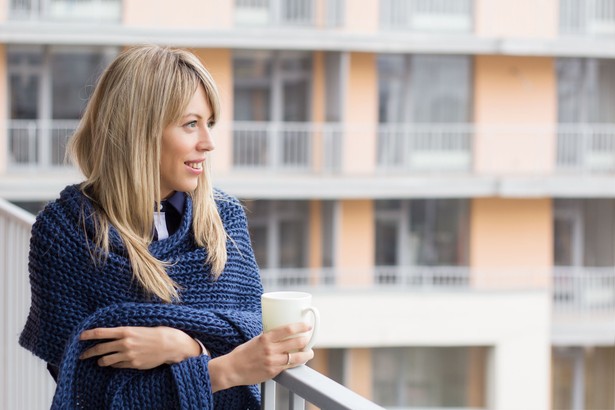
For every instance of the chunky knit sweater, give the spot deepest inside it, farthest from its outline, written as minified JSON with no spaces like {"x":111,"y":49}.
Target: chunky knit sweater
{"x":71,"y":293}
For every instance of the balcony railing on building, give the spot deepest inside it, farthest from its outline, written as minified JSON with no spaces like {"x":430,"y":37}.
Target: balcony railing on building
{"x":427,"y":15}
{"x":106,"y":11}
{"x":587,"y":291}
{"x":433,"y":147}
{"x":587,"y":17}
{"x":295,"y":13}
{"x":286,"y":146}
{"x":316,"y":149}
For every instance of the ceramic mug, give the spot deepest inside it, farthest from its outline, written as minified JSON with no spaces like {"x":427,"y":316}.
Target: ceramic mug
{"x":282,"y":308}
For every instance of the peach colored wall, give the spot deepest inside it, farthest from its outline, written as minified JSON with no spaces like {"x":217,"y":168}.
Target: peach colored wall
{"x":4,"y":114}
{"x":362,"y":16}
{"x":360,"y":115}
{"x":219,"y":62}
{"x":315,"y":256}
{"x":204,"y":14}
{"x":513,"y":236}
{"x":4,"y":8}
{"x":515,"y":110}
{"x":516,"y":18}
{"x":354,"y":252}
{"x":359,"y":374}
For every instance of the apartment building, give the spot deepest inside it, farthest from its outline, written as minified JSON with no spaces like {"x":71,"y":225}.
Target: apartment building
{"x":438,"y":173}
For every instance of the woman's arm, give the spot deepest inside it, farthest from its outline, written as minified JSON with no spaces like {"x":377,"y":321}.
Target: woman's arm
{"x":253,"y":362}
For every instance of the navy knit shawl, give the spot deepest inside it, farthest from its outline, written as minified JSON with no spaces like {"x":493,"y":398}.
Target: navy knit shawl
{"x":71,"y":293}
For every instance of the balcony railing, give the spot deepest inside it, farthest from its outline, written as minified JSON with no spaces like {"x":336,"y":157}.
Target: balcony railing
{"x":409,"y":278}
{"x":433,"y":147}
{"x":583,"y":290}
{"x":587,"y":17}
{"x":280,"y":13}
{"x":586,"y":147}
{"x":24,"y":380}
{"x":286,"y":146}
{"x":63,"y":10}
{"x":316,"y":148}
{"x":427,"y":15}
{"x":305,"y":384}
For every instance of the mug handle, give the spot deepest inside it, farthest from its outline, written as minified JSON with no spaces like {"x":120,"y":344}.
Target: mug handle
{"x":315,"y":327}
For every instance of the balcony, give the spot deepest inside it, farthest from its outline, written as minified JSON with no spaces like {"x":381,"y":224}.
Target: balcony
{"x":292,"y":13}
{"x":444,"y":16}
{"x":594,"y":18}
{"x":332,"y":160}
{"x":101,"y":11}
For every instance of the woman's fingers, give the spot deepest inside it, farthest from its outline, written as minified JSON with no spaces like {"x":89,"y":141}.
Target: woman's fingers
{"x":286,"y":331}
{"x":102,"y":349}
{"x":103,"y":333}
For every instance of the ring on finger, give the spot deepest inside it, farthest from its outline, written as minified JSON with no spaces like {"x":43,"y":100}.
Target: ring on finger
{"x":289,"y":361}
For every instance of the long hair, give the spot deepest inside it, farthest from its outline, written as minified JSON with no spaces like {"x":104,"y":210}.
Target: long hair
{"x":117,"y":147}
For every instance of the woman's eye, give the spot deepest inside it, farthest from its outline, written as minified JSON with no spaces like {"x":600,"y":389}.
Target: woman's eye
{"x":191,"y":124}
{"x":210,"y":124}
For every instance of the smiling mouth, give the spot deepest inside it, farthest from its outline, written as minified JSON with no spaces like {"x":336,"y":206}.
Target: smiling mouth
{"x":194,"y":165}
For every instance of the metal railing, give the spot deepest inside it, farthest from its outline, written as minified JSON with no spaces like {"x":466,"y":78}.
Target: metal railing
{"x":587,"y":17}
{"x":62,"y":10}
{"x":316,"y":148}
{"x":427,"y":15}
{"x":24,"y":380}
{"x":301,"y":13}
{"x":306,"y":384}
{"x":584,"y":290}
{"x":287,"y":146}
{"x":38,"y":144}
{"x":586,"y":147}
{"x":407,"y":278}
{"x":428,"y":147}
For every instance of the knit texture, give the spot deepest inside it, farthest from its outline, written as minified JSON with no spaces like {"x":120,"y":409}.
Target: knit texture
{"x":72,"y":293}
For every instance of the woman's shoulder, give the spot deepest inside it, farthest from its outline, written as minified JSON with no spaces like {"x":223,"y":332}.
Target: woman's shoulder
{"x":226,"y":202}
{"x":64,"y":210}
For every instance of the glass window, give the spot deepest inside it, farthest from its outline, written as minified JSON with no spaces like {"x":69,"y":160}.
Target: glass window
{"x":73,"y":75}
{"x":586,"y":90}
{"x":584,"y":232}
{"x":424,"y":89}
{"x":422,"y":232}
{"x":430,"y":377}
{"x":279,"y":232}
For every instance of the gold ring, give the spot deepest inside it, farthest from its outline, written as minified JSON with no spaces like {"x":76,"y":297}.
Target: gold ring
{"x":289,"y":361}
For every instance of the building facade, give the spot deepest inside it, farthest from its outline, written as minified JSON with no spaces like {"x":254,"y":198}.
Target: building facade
{"x":438,"y":173}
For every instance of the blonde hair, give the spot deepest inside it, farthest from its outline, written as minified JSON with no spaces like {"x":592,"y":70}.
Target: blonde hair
{"x":117,"y":147}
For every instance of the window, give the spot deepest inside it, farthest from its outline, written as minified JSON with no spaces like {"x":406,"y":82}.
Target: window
{"x":272,"y":107}
{"x":424,"y":103}
{"x":422,"y":232}
{"x":279,"y":232}
{"x":49,"y":86}
{"x":422,"y":377}
{"x":584,"y":232}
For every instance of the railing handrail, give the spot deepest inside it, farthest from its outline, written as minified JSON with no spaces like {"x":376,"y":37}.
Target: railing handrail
{"x":306,"y":383}
{"x":17,"y":214}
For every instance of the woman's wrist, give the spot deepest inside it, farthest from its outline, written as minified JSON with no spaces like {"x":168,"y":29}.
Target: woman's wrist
{"x":181,"y":346}
{"x":221,"y":374}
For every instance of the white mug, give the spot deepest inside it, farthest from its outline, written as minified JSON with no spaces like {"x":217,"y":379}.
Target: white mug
{"x":282,"y":308}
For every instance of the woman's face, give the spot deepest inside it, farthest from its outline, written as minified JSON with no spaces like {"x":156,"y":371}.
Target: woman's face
{"x":184,"y":147}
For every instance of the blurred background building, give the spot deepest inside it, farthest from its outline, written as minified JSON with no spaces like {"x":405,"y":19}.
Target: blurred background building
{"x":438,"y":173}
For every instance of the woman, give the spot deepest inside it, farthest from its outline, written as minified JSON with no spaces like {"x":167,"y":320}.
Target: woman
{"x":145,"y":291}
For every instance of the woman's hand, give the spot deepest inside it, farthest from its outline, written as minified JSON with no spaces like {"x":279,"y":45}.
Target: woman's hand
{"x":261,"y":358}
{"x":140,"y":347}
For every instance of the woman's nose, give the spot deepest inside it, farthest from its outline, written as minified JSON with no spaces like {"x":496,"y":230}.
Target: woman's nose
{"x":206,"y":141}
